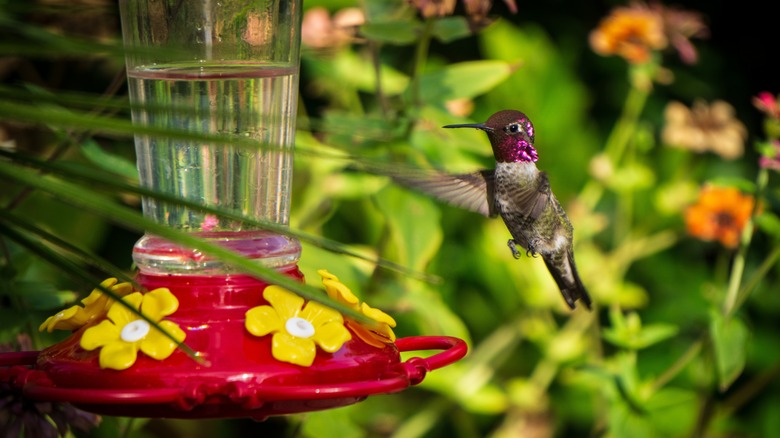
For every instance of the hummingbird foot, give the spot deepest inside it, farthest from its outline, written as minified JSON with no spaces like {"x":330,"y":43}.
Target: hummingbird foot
{"x":513,"y":246}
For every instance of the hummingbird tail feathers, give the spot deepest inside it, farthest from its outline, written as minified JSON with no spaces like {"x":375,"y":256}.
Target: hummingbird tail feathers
{"x":568,"y":281}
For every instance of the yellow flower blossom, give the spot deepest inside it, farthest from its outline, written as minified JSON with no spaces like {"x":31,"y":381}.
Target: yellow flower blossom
{"x":297,"y":328}
{"x":378,"y":334}
{"x":124,"y":333}
{"x":94,"y":307}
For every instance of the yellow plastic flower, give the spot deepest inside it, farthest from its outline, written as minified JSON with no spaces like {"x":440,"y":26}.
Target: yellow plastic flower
{"x":95,"y":306}
{"x":378,"y":334}
{"x":124,"y":333}
{"x":297,"y":329}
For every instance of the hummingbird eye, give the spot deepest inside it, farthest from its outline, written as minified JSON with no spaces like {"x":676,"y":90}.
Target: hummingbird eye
{"x":514,"y":128}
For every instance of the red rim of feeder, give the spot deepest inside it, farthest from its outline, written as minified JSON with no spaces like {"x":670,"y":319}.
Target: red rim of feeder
{"x":266,"y":400}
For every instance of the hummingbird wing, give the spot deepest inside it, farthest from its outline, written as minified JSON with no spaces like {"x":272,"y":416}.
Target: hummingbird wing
{"x":471,"y":191}
{"x":523,"y":204}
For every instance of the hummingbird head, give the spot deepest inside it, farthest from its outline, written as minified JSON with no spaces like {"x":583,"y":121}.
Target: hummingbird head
{"x":511,"y":135}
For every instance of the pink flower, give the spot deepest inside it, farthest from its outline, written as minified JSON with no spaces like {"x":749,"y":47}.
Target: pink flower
{"x":321,"y":31}
{"x":766,"y":102}
{"x":210,"y":222}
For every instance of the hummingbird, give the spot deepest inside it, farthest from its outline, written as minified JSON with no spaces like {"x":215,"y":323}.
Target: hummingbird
{"x":517,"y":191}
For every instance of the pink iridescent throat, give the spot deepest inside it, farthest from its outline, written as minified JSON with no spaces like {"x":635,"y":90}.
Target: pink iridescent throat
{"x":521,"y":151}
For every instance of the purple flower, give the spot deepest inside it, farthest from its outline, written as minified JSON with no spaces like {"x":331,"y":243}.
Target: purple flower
{"x":20,"y":416}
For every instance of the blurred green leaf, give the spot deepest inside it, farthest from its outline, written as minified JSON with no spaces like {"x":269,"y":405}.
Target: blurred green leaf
{"x":628,"y":332}
{"x":729,"y":341}
{"x":386,"y":10}
{"x":351,"y":130}
{"x":346,"y":70}
{"x":673,"y":411}
{"x":42,"y":296}
{"x":352,"y":185}
{"x":433,"y":315}
{"x":331,"y":424}
{"x":769,"y":223}
{"x":462,"y":80}
{"x":767,"y":149}
{"x":667,"y":413}
{"x":107,"y":161}
{"x":672,"y":198}
{"x":742,"y":184}
{"x":449,"y":29}
{"x":630,"y":178}
{"x":402,"y":32}
{"x":413,"y":223}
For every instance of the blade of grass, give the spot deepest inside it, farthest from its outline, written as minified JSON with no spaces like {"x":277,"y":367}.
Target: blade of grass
{"x":98,"y":178}
{"x":65,"y":191}
{"x":79,"y":254}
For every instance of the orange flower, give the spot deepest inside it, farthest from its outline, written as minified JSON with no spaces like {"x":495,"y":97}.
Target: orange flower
{"x":720,"y":214}
{"x":635,"y":32}
{"x":631,"y":32}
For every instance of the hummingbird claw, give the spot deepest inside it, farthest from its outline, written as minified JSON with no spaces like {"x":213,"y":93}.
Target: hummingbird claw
{"x":513,"y":246}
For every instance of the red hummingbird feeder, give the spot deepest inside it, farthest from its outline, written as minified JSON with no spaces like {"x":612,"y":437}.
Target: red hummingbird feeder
{"x":237,"y":376}
{"x":228,"y":68}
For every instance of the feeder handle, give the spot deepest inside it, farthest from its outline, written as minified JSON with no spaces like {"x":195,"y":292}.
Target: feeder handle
{"x":454,"y":348}
{"x":410,"y":372}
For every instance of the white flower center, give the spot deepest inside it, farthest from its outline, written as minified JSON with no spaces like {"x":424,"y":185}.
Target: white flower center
{"x":135,"y":331}
{"x":299,"y":327}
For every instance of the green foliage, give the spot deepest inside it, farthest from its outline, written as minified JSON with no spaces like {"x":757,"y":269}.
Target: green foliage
{"x":682,"y":337}
{"x":628,"y":332}
{"x":729,"y":342}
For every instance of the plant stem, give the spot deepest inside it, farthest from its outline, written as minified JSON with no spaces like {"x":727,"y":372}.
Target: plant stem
{"x":617,"y":141}
{"x":420,"y":57}
{"x":760,"y":273}
{"x":738,"y":267}
{"x":692,"y":351}
{"x":373,"y":47}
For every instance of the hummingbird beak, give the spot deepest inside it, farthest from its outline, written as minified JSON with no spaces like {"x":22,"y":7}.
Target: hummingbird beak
{"x":480,"y":126}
